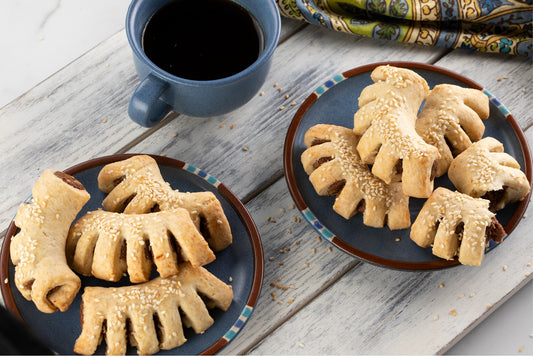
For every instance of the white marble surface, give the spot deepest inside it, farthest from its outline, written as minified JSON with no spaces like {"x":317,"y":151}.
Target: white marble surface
{"x":38,"y":37}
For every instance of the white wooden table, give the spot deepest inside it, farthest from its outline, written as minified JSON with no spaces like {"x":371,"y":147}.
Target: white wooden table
{"x":338,"y":305}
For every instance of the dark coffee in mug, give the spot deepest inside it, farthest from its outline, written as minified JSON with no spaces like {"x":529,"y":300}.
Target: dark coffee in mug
{"x":202,"y":39}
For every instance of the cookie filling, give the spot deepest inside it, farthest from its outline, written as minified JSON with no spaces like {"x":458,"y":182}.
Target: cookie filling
{"x":321,"y":161}
{"x":494,"y":197}
{"x":495,"y":231}
{"x":70,"y":180}
{"x":336,"y":187}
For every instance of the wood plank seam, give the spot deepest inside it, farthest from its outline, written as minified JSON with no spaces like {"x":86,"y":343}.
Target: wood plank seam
{"x":300,"y":306}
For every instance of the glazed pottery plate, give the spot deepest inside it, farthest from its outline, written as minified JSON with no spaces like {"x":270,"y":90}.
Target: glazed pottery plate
{"x":335,"y":102}
{"x":240,"y":265}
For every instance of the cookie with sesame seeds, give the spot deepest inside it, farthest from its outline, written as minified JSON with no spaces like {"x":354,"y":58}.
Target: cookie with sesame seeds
{"x":334,"y":168}
{"x":456,"y":224}
{"x":386,"y":123}
{"x":451,"y":120}
{"x":151,"y":315}
{"x":106,"y":244}
{"x":42,"y":274}
{"x":485,"y":170}
{"x":135,"y":186}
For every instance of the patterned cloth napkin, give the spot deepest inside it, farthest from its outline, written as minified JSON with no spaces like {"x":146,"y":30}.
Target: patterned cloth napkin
{"x":499,"y":26}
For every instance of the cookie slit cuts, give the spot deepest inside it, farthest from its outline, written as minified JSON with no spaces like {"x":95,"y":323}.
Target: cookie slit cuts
{"x":139,"y":178}
{"x":385,"y":123}
{"x":42,"y":274}
{"x":98,"y":241}
{"x":152,"y":315}
{"x":334,"y":168}
{"x":485,"y":170}
{"x":455,"y":224}
{"x":451,"y":120}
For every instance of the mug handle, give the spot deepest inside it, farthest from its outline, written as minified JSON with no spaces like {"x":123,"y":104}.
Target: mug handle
{"x":146,"y":107}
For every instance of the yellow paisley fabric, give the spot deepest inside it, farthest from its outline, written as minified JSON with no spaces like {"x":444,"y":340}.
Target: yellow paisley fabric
{"x":496,"y":26}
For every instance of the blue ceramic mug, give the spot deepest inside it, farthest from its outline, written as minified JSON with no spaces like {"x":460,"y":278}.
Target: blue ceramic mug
{"x":160,"y":92}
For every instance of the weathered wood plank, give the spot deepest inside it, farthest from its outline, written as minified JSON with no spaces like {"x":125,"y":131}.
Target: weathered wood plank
{"x":297,"y":265}
{"x":55,"y":124}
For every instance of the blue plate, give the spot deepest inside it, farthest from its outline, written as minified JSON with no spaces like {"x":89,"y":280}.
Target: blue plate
{"x":242,"y":261}
{"x":335,"y":102}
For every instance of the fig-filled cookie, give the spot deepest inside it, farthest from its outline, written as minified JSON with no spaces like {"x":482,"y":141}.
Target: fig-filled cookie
{"x":42,"y":274}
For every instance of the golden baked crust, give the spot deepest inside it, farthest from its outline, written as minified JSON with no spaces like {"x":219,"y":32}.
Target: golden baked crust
{"x":38,"y":249}
{"x":106,"y":244}
{"x":334,"y":167}
{"x":485,"y":170}
{"x":386,"y":123}
{"x":455,"y":224}
{"x":135,"y":186}
{"x":451,"y":120}
{"x":152,"y":314}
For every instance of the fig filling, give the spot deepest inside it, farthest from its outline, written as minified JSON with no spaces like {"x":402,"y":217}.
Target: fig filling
{"x":494,"y":197}
{"x":118,"y":180}
{"x":321,"y":161}
{"x":361,"y":206}
{"x":495,"y":231}
{"x":336,"y":187}
{"x":70,"y":180}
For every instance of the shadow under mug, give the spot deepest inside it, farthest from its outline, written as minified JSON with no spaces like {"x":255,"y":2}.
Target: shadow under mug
{"x":160,"y":92}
